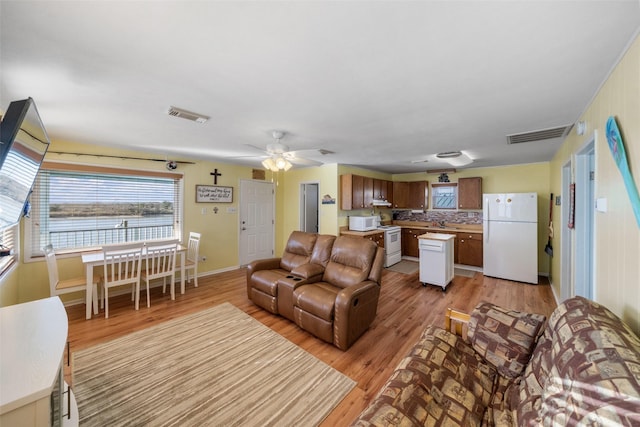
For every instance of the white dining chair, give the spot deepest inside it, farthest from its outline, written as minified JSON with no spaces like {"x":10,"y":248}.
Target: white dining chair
{"x":122,"y":266}
{"x":74,"y":284}
{"x":192,"y":257}
{"x":160,"y":264}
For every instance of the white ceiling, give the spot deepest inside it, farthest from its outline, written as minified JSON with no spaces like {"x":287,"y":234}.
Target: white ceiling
{"x":379,"y":83}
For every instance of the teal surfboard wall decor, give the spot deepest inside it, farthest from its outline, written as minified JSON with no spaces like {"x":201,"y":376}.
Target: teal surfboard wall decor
{"x":616,"y":146}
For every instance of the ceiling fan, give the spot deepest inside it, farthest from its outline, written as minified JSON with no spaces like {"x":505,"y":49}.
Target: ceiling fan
{"x":279,"y":157}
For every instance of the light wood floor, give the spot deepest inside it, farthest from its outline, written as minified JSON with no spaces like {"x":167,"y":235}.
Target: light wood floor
{"x":404,"y":310}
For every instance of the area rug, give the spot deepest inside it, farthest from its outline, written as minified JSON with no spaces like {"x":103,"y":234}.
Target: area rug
{"x":405,"y":267}
{"x":215,"y":367}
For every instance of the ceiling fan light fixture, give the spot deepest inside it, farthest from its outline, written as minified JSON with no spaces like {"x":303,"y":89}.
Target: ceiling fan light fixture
{"x":281,"y":162}
{"x":276,"y":164}
{"x":270,"y":164}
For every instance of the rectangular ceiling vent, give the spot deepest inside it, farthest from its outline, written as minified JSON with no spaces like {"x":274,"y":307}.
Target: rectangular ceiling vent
{"x":539,"y":135}
{"x":189,"y":115}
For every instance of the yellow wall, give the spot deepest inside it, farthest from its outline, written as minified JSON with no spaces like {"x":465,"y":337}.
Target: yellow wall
{"x":617,"y":235}
{"x":219,"y":231}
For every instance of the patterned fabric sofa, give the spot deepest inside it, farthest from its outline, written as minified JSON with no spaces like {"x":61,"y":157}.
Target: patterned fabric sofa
{"x":582,"y":368}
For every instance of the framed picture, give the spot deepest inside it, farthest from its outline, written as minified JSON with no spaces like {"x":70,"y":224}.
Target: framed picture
{"x":214,"y":194}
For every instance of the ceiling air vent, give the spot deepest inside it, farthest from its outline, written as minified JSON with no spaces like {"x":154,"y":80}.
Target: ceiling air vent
{"x":539,"y":135}
{"x":189,"y":115}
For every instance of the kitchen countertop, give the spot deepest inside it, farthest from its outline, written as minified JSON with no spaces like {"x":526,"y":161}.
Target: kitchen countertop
{"x":421,"y":225}
{"x":348,"y":232}
{"x":449,"y":227}
{"x":436,"y":236}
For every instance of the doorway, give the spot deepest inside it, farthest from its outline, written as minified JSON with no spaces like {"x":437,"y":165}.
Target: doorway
{"x":584,"y":220}
{"x":256,"y":221}
{"x":566,"y":252}
{"x":309,"y":198}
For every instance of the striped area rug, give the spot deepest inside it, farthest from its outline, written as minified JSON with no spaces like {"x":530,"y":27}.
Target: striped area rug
{"x":216,"y":367}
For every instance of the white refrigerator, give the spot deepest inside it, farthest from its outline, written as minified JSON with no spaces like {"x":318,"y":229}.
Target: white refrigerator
{"x":510,"y":232}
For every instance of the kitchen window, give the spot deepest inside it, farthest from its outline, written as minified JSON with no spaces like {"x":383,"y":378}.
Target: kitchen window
{"x":77,"y":208}
{"x":444,"y":196}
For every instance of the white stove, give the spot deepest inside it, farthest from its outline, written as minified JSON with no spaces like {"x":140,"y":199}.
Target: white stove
{"x":392,"y":244}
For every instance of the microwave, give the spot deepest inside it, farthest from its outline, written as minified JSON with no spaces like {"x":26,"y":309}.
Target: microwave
{"x":363,"y":223}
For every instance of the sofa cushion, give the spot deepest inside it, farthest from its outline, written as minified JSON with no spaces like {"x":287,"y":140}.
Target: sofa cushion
{"x":266,"y":281}
{"x":526,"y":398}
{"x":298,"y":250}
{"x":350,"y":262}
{"x":594,"y":377}
{"x":440,"y":382}
{"x":505,"y":338}
{"x":318,"y":299}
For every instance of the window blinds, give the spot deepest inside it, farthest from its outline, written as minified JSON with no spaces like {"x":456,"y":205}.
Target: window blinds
{"x":78,"y":207}
{"x":8,"y":240}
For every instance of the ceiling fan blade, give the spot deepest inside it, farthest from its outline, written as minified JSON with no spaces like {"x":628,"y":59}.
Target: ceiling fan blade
{"x":257,"y":148}
{"x":304,"y":162}
{"x":309,"y":152}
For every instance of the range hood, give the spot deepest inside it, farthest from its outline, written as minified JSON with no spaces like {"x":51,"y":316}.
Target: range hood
{"x":381,"y":203}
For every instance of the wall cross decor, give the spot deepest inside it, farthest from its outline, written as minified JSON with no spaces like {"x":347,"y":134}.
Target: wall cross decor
{"x":215,"y":174}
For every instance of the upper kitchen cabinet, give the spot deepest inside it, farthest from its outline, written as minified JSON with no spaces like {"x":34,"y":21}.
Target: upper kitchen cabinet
{"x":470,"y":193}
{"x":411,"y":195}
{"x":383,"y":190}
{"x":418,"y":195}
{"x":351,"y":192}
{"x":400,"y":194}
{"x":360,"y":192}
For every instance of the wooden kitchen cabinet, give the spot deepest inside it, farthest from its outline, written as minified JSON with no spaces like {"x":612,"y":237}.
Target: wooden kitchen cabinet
{"x":377,"y":238}
{"x":411,"y":195}
{"x":351,"y":192}
{"x":470,"y":193}
{"x":359,"y":192}
{"x":400,"y":194}
{"x":367,"y":191}
{"x":418,"y":195}
{"x":382,"y":190}
{"x":410,"y":245}
{"x":470,"y":249}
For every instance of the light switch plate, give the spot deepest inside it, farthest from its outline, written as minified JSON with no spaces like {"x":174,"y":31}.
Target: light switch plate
{"x":601,"y":204}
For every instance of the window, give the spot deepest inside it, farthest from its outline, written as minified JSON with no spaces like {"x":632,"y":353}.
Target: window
{"x":76,"y":207}
{"x":8,"y":239}
{"x":444,"y":196}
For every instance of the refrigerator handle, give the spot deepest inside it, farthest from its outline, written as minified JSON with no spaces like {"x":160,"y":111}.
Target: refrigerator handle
{"x":488,"y":223}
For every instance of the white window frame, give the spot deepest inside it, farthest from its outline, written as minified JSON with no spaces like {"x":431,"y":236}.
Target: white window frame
{"x":36,"y":254}
{"x":434,"y":194}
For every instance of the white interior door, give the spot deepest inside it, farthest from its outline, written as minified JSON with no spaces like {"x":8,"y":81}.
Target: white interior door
{"x":256,"y":220}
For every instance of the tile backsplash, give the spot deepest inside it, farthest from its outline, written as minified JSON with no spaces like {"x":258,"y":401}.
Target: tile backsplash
{"x":452,"y":217}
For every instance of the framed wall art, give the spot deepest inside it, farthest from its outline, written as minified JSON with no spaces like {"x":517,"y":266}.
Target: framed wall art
{"x":214,"y":194}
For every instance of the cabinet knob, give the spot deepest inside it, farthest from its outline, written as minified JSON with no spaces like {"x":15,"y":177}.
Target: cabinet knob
{"x":462,"y":241}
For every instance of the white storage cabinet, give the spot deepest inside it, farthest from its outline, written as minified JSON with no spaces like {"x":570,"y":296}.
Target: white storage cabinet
{"x":436,"y":259}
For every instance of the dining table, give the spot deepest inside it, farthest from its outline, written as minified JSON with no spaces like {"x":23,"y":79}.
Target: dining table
{"x":95,"y":259}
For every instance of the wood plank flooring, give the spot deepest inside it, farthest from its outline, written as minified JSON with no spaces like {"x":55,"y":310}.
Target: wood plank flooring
{"x":404,"y":310}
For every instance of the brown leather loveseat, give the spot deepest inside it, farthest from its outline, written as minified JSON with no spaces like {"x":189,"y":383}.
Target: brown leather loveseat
{"x":329,"y":286}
